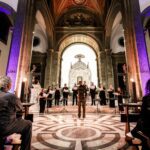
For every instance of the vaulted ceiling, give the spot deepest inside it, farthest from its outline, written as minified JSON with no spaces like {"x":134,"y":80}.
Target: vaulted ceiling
{"x":61,"y":7}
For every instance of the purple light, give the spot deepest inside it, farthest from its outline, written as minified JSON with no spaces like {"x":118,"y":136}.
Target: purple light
{"x":146,"y":12}
{"x":6,"y":11}
{"x":12,"y":65}
{"x":141,"y":46}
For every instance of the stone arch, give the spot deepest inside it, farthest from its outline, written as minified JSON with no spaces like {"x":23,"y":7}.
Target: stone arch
{"x":40,"y":32}
{"x":48,"y":23}
{"x":78,"y":38}
{"x":145,"y":15}
{"x":116,"y":8}
{"x":7,"y":17}
{"x":8,"y":10}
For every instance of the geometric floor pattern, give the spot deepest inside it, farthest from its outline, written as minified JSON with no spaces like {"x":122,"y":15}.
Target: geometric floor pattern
{"x":64,"y":131}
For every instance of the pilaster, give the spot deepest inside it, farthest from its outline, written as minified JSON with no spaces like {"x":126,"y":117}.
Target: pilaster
{"x":109,"y":68}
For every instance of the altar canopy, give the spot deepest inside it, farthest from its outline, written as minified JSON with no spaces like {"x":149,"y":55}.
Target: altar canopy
{"x":79,"y":72}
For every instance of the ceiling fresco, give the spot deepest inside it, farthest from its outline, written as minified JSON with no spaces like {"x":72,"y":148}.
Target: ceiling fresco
{"x":61,"y":7}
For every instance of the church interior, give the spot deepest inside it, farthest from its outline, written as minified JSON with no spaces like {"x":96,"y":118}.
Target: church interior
{"x":51,"y":44}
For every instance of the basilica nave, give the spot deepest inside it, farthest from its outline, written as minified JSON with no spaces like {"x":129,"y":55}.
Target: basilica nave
{"x":50,"y":43}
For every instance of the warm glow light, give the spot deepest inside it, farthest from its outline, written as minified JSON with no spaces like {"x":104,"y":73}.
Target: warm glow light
{"x":24,"y":79}
{"x":132,"y":80}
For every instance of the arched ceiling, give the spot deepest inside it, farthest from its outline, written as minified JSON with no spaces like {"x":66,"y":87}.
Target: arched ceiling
{"x":61,"y":6}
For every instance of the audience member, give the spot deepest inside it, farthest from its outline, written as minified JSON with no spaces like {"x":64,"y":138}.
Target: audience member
{"x":9,"y":123}
{"x":143,"y":125}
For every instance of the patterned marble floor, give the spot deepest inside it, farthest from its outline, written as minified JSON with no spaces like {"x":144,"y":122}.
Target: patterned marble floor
{"x":64,"y":131}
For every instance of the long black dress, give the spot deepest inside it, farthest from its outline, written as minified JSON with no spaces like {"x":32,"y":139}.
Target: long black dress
{"x":111,"y":98}
{"x":102,"y":97}
{"x":65,"y":95}
{"x":42,"y":101}
{"x":57,"y":96}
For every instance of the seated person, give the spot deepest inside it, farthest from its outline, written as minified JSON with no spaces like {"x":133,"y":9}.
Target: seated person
{"x":9,"y":124}
{"x":143,"y":125}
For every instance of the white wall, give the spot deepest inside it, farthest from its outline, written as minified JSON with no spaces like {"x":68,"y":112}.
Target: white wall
{"x":144,"y":4}
{"x":12,"y":3}
{"x":4,"y":54}
{"x":43,"y":46}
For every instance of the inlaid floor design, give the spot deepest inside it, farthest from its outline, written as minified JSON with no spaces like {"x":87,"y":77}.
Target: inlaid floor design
{"x":64,"y":131}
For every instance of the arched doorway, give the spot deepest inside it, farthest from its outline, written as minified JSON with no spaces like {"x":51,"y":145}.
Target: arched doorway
{"x":72,"y":68}
{"x":74,"y":45}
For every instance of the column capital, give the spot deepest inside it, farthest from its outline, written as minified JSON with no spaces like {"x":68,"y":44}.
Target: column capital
{"x":102,"y":52}
{"x":50,"y":50}
{"x":108,"y":50}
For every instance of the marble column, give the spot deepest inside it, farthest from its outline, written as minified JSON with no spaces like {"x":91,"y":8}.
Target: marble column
{"x":136,"y":53}
{"x":143,"y":62}
{"x":109,"y":68}
{"x":54,"y":67}
{"x":12,"y":66}
{"x":102,"y":68}
{"x":48,"y":72}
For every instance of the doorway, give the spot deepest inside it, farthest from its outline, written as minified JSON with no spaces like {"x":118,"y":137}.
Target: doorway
{"x":86,"y":64}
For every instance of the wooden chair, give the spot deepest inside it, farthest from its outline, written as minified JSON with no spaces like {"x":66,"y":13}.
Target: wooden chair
{"x":134,"y":142}
{"x":11,"y":140}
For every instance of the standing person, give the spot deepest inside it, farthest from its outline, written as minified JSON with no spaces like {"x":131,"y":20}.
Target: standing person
{"x":35,"y":90}
{"x":57,"y":96}
{"x":81,"y":99}
{"x":50,"y":96}
{"x":86,"y":87}
{"x":75,"y":91}
{"x":9,"y":124}
{"x":65,"y":91}
{"x":42,"y":100}
{"x":92,"y":93}
{"x":143,"y":124}
{"x":102,"y":95}
{"x":111,"y":96}
{"x":120,"y":99}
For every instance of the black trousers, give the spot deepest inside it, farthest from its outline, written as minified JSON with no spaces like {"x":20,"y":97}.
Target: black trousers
{"x":42,"y":105}
{"x":74,"y":100}
{"x":83,"y":104}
